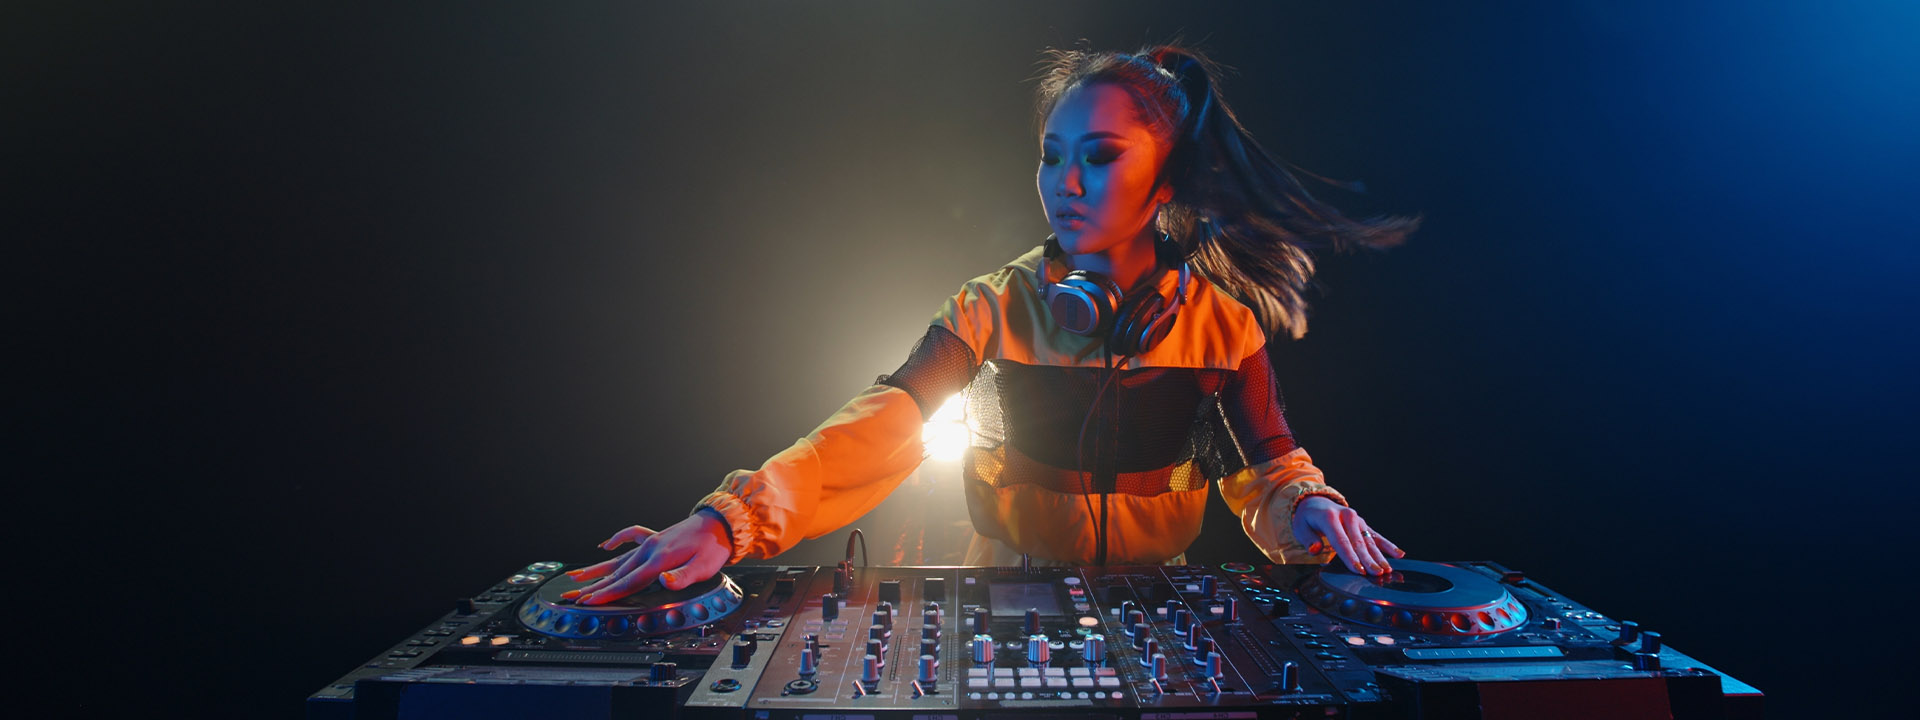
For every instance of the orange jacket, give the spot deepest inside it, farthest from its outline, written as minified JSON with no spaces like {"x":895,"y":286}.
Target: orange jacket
{"x":1199,"y":406}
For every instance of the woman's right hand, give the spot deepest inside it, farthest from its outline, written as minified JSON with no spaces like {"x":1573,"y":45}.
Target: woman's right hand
{"x":685,"y":553}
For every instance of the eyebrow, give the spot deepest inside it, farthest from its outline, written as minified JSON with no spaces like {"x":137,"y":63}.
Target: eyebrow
{"x":1090,"y":136}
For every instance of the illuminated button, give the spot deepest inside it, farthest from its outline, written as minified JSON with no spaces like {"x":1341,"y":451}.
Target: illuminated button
{"x":1070,"y":580}
{"x":470,"y":640}
{"x":1383,"y":639}
{"x":1354,"y":640}
{"x":500,"y":640}
{"x":1109,"y":682}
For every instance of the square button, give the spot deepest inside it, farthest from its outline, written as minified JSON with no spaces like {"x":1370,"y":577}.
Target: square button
{"x":1054,"y":672}
{"x":1003,"y":684}
{"x":1029,"y":672}
{"x":1109,"y":682}
{"x":1083,"y":682}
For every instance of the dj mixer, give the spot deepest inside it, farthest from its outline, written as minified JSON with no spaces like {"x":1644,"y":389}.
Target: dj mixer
{"x":1429,"y":640}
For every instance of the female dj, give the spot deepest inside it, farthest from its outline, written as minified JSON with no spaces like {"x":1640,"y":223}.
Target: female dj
{"x":1111,"y":373}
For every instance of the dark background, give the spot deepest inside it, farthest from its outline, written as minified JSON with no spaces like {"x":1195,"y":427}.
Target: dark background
{"x":328,"y":314}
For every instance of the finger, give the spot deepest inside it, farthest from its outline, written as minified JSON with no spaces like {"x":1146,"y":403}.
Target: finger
{"x":628,"y":584}
{"x":1388,"y":545}
{"x":632,"y":534}
{"x":1363,"y":539}
{"x":1344,"y":547}
{"x":599,"y":569}
{"x":632,"y":560}
{"x":703,"y":565}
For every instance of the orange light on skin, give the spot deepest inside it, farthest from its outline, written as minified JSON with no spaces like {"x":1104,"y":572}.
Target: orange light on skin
{"x":945,"y":434}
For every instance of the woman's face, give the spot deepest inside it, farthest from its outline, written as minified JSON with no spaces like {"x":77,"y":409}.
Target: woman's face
{"x":1097,"y":161}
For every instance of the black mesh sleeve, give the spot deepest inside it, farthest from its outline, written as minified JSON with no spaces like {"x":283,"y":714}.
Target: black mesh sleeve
{"x":940,"y":366}
{"x":1255,"y":411}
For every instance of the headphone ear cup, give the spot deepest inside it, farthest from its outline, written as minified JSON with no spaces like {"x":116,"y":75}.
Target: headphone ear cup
{"x":1083,"y":302}
{"x":1135,"y":324}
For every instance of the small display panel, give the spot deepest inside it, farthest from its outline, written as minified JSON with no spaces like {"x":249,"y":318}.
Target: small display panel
{"x":1015,"y":599}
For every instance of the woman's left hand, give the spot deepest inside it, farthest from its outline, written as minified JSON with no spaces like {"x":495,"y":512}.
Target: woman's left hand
{"x":1322,"y":524}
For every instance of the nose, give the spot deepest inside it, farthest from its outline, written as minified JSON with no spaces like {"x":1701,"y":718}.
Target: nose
{"x":1069,"y":184}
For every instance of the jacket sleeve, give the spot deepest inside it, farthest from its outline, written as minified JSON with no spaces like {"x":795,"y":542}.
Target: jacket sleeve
{"x":1276,"y":474}
{"x":848,"y":464}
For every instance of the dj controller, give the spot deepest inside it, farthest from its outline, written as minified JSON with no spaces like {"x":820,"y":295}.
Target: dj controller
{"x":1429,"y":640}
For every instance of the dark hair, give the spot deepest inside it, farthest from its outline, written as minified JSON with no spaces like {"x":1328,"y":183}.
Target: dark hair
{"x":1242,"y":219}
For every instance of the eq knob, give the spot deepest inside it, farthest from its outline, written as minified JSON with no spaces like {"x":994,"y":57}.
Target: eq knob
{"x":1650,"y":642}
{"x":809,"y":664}
{"x":829,"y":607}
{"x":813,"y":647}
{"x":1646,"y":661}
{"x":1203,"y":649}
{"x":929,"y":647}
{"x":743,"y":647}
{"x":1149,"y":650}
{"x":1182,"y":621}
{"x":930,"y":632}
{"x":663,"y":672}
{"x":1033,"y":621}
{"x":1159,"y":666}
{"x":878,"y":650}
{"x":1194,"y":641}
{"x":1629,"y":632}
{"x":928,"y":671}
{"x":980,"y":621}
{"x":1094,"y":651}
{"x":1208,"y":586}
{"x":1038,"y":652}
{"x":934,"y":607}
{"x":1136,"y":620}
{"x":930,"y":620}
{"x":878,"y":634}
{"x":870,"y":670}
{"x":1230,"y":612}
{"x":1212,"y":666}
{"x":982,"y":649}
{"x":1290,"y":678}
{"x":884,"y":619}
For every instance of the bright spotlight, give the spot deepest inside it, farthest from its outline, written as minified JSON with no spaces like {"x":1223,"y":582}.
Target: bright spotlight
{"x":946,"y":434}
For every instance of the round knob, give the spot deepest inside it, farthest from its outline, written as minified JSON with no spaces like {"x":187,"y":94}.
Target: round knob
{"x":813,"y":647}
{"x":1551,"y":623}
{"x":1209,"y":585}
{"x":1140,"y":640}
{"x":1038,"y":652}
{"x":878,"y":634}
{"x":929,"y":647}
{"x":1095,"y":650}
{"x":1629,"y":632}
{"x":1149,"y":650}
{"x":930,"y":620}
{"x":870,"y":669}
{"x":933,"y":609}
{"x":1159,"y":666}
{"x":980,"y":621}
{"x":1213,"y":666}
{"x":1231,"y":611}
{"x":930,"y":632}
{"x":1135,"y":621}
{"x":1646,"y":661}
{"x":808,"y":664}
{"x":1182,"y":621}
{"x":1033,"y":621}
{"x":1127,"y":607}
{"x":1290,"y":678}
{"x":928,"y":665}
{"x":883,"y":619}
{"x":1202,"y":647}
{"x":743,"y":647}
{"x":877,"y":649}
{"x":1650,"y":642}
{"x":829,"y":607}
{"x":663,"y":672}
{"x":982,"y":649}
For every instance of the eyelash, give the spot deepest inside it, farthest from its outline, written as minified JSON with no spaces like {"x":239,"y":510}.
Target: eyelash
{"x":1096,"y":159}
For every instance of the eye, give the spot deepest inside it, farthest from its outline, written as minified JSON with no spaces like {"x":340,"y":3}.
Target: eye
{"x":1049,"y":159}
{"x":1102,"y":158}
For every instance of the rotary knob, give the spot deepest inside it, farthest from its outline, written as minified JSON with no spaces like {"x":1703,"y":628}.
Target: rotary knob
{"x":743,"y":647}
{"x":663,"y":672}
{"x":929,"y":666}
{"x":1182,"y":621}
{"x":980,"y":621}
{"x":829,"y":607}
{"x":1038,"y":652}
{"x":1033,"y":621}
{"x":1094,"y":651}
{"x":982,"y":649}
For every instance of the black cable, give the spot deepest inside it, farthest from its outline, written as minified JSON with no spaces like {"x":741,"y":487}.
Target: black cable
{"x":1079,"y":449}
{"x":857,"y":535}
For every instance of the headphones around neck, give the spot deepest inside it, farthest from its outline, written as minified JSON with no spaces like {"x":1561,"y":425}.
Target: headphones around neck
{"x":1090,"y":303}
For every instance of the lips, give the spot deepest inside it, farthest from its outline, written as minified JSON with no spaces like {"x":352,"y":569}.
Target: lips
{"x":1069,"y":215}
